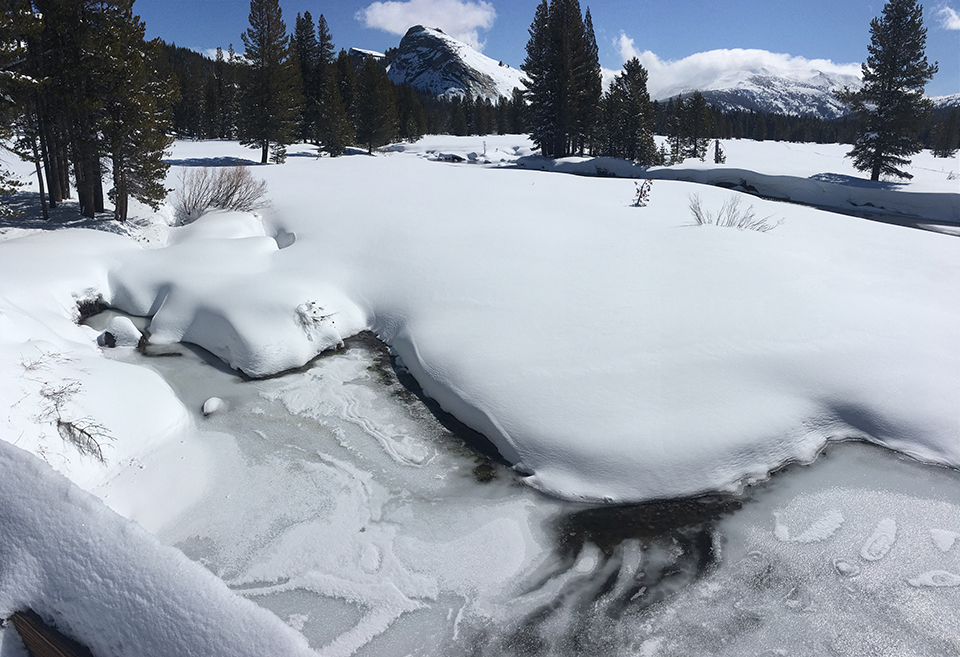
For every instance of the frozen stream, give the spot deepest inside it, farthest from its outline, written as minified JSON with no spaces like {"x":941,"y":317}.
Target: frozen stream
{"x":340,"y":503}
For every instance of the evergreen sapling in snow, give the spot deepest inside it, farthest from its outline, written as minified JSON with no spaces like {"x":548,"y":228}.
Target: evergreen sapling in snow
{"x":718,"y":155}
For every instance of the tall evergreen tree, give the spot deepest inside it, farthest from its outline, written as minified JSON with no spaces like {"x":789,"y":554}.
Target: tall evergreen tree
{"x":946,"y":135}
{"x":411,"y":118}
{"x":517,"y":122}
{"x":347,"y":84}
{"x":676,"y":129}
{"x":136,"y":109}
{"x":891,"y":105}
{"x":760,"y":127}
{"x":272,"y":95}
{"x":335,"y":130}
{"x":543,"y":89}
{"x":697,"y":127}
{"x":325,"y":50}
{"x":308,"y":59}
{"x":17,"y":89}
{"x":563,"y":74}
{"x":376,"y":106}
{"x":231,"y":94}
{"x":628,"y":116}
{"x":590,"y":87}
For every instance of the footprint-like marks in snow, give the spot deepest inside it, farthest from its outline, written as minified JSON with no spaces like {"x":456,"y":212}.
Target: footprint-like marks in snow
{"x":880,"y":541}
{"x":819,"y":530}
{"x":846,"y":568}
{"x":943,"y":539}
{"x":938,"y":578}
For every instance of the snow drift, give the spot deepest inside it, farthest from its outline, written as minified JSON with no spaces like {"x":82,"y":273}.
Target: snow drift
{"x":610,"y":352}
{"x":107,"y":583}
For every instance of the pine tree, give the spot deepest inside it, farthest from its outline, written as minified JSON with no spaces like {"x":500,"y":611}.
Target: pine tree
{"x":891,"y":106}
{"x":563,"y":88}
{"x":412,"y":120}
{"x":325,"y":50}
{"x":760,"y":127}
{"x":17,"y":91}
{"x":136,"y":109}
{"x":308,"y":59}
{"x":946,"y":136}
{"x":697,"y":127}
{"x":335,"y":130}
{"x":272,"y":95}
{"x":718,"y":155}
{"x":676,"y":131}
{"x":543,"y":89}
{"x":347,"y":84}
{"x":628,"y":116}
{"x":590,"y":83}
{"x":517,"y":122}
{"x":231,"y":93}
{"x":376,"y":106}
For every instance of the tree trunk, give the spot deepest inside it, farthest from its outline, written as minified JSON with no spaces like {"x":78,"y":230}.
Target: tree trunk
{"x":97,"y":187}
{"x":46,"y":153}
{"x":36,"y":161}
{"x":120,"y":195}
{"x":264,"y":152}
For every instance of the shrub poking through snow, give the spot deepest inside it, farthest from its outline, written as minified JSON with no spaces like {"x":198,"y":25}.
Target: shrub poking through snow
{"x":731,"y":215}
{"x":83,"y":433}
{"x":224,"y":188}
{"x":719,"y":157}
{"x":316,"y":322}
{"x":642,"y":194}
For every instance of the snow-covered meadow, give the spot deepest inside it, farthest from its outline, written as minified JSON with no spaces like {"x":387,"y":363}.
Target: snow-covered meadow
{"x":611,"y":353}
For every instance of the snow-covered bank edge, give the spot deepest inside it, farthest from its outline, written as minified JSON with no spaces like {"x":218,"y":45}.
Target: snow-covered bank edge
{"x":851,"y":197}
{"x":109,"y":584}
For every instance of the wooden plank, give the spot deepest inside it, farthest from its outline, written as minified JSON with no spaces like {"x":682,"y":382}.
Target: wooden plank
{"x":43,"y":640}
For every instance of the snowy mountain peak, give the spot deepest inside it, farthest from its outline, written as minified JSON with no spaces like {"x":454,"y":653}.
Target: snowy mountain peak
{"x":946,"y":102}
{"x":429,"y":60}
{"x":797,"y":90}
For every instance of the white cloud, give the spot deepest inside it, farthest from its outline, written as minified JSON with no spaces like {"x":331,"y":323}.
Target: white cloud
{"x":704,"y":69}
{"x":458,"y":18}
{"x":949,"y":19}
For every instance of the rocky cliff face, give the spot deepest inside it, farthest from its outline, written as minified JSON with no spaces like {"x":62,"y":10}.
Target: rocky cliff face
{"x":429,"y":60}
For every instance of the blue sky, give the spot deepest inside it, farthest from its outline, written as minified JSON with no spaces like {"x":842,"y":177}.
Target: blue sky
{"x":834,"y":30}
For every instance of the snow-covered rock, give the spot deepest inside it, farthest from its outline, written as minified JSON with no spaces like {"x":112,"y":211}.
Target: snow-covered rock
{"x":429,"y":60}
{"x":213,"y":405}
{"x":120,"y":332}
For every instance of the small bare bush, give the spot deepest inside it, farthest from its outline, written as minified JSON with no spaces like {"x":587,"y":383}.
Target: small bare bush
{"x":731,"y":215}
{"x":642,"y":194}
{"x":224,"y":188}
{"x":83,"y":433}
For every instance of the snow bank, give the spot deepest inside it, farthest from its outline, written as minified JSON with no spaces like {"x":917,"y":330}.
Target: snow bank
{"x":53,"y":367}
{"x":107,"y":583}
{"x":610,"y":352}
{"x":216,"y":286}
{"x":619,"y":353}
{"x":844,"y":192}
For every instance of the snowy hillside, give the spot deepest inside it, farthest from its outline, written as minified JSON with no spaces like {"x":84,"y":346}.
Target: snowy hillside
{"x":429,"y":60}
{"x":797,"y":91}
{"x":946,"y":102}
